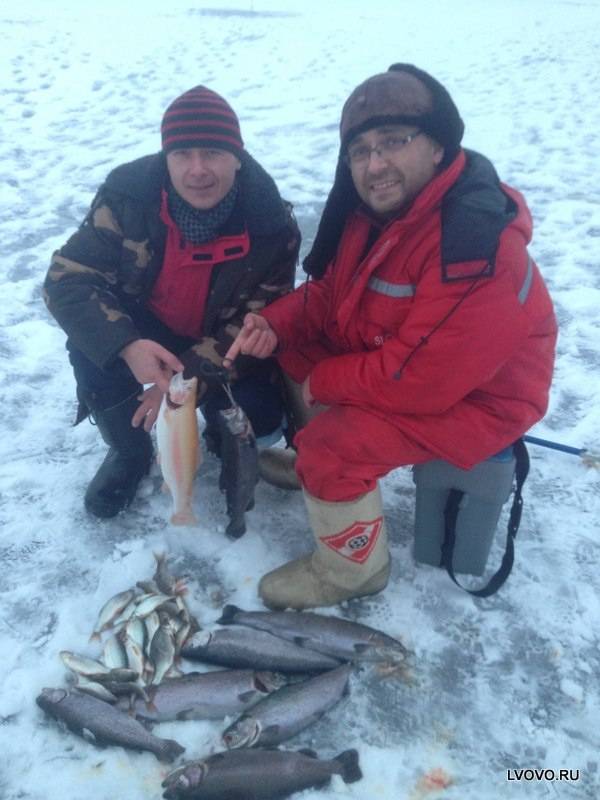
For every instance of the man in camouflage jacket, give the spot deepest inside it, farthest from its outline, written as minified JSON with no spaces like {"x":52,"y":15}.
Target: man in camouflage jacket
{"x":177,"y":247}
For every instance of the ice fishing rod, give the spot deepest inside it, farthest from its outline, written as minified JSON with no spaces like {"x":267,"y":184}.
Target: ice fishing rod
{"x":582,"y":452}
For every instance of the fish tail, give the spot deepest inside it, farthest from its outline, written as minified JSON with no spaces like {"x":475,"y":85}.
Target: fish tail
{"x":348,"y":760}
{"x":170,"y":749}
{"x":228,"y":615}
{"x":185,"y":517}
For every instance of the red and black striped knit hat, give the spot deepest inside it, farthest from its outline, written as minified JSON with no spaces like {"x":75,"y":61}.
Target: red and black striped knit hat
{"x":201,"y":118}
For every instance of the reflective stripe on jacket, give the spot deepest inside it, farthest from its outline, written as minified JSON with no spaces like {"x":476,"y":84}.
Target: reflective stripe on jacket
{"x":445,"y":327}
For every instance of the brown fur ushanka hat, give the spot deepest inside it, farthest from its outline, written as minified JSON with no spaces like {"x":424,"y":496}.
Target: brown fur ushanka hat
{"x":404,"y":94}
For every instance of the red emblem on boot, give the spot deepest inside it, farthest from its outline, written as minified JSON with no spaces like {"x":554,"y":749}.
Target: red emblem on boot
{"x":357,"y":541}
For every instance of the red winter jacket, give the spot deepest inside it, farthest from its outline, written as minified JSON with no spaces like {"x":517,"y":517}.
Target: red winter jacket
{"x":444,"y":327}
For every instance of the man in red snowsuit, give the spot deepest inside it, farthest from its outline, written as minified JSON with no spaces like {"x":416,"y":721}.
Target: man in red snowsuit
{"x":428,"y":333}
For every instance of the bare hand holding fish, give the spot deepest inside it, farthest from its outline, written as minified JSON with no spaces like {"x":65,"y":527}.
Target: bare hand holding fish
{"x":150,"y":362}
{"x":147,"y":412}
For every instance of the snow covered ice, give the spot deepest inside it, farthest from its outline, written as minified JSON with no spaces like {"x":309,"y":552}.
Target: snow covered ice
{"x":506,"y":683}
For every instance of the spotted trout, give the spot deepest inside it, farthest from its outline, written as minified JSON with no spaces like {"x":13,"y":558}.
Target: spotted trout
{"x":101,"y":723}
{"x":179,"y":452}
{"x":288,"y":711}
{"x":336,"y":637}
{"x":239,"y":466}
{"x":257,"y":774}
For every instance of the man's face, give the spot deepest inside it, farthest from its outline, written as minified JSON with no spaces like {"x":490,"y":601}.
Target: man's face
{"x":389,"y":178}
{"x":202,"y":175}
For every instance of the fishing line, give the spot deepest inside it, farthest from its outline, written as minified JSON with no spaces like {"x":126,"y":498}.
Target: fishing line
{"x":425,"y":339}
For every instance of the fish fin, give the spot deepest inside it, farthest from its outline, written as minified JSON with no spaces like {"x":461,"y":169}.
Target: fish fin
{"x":228,"y":615}
{"x":271,"y":730}
{"x":246,"y":697}
{"x":306,"y":751}
{"x":184,"y":715}
{"x":88,"y":735}
{"x":301,"y":641}
{"x":348,"y":760}
{"x":170,"y":750}
{"x":150,"y":705}
{"x":186,"y":517}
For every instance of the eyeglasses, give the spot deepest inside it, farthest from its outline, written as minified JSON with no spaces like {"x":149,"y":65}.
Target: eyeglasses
{"x":386,"y":147}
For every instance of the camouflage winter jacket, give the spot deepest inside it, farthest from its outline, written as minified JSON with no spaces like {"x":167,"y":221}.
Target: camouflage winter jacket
{"x":112,"y":262}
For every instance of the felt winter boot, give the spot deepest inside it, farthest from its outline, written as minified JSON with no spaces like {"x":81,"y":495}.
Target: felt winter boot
{"x":128,"y":459}
{"x":277,"y":465}
{"x":351,"y":559}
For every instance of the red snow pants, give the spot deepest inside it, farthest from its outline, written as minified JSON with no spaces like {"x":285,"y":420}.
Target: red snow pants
{"x":343,"y":451}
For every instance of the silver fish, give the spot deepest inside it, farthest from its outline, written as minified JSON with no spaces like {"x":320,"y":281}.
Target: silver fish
{"x":239,"y":466}
{"x":257,"y":775}
{"x":119,"y":674}
{"x":165,"y":580}
{"x":182,"y":634}
{"x":149,"y":603}
{"x":246,"y":647}
{"x":103,"y":724}
{"x":113,"y":653}
{"x":152,"y":624}
{"x":127,"y":613}
{"x":162,"y":651}
{"x":129,"y":688}
{"x":96,"y":689}
{"x":110,"y":612}
{"x":135,"y":631}
{"x":288,"y":711}
{"x":82,"y":665}
{"x":339,"y":638}
{"x":135,"y":656}
{"x":209,"y":695}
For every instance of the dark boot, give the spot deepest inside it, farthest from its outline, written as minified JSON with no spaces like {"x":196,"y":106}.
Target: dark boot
{"x":129,"y":458}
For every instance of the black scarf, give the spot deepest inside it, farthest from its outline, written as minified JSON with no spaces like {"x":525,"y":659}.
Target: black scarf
{"x":198,"y":225}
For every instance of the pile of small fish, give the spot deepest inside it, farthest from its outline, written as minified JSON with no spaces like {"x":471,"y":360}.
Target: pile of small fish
{"x":279,"y":673}
{"x":147,"y":626}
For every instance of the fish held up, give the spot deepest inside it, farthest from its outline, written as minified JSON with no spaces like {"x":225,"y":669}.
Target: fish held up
{"x":239,"y":465}
{"x":179,"y":451}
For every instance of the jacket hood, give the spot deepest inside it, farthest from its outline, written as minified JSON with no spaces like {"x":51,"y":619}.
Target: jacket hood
{"x":475,"y":197}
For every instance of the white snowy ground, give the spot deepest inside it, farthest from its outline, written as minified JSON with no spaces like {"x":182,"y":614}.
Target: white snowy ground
{"x":506,"y":683}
